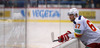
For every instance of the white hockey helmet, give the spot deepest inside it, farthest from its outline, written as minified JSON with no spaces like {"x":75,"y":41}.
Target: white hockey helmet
{"x":73,"y":11}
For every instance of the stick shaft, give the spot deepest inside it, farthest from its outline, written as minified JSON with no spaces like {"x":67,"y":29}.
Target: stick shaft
{"x":55,"y":40}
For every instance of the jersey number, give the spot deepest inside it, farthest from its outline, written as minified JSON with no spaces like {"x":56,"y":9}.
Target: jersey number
{"x":91,"y":25}
{"x":77,"y":26}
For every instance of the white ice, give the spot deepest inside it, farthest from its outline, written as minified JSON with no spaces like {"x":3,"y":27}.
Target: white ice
{"x":38,"y":34}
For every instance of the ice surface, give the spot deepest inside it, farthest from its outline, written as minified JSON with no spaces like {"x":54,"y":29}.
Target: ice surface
{"x":12,"y":34}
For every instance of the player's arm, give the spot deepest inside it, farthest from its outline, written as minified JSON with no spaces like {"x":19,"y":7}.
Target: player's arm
{"x":77,"y":34}
{"x":65,"y":37}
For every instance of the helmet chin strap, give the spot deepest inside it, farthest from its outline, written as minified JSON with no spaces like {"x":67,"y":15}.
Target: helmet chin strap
{"x":74,"y":16}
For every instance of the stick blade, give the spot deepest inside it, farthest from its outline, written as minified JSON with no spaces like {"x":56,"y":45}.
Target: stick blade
{"x":52,"y":36}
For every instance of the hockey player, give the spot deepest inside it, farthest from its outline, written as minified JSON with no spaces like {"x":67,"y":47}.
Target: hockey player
{"x":88,"y":33}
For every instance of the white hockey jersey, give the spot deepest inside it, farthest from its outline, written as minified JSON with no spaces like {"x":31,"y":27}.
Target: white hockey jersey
{"x":85,"y":31}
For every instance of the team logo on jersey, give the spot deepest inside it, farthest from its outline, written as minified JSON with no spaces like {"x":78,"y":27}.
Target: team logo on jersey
{"x":77,"y":31}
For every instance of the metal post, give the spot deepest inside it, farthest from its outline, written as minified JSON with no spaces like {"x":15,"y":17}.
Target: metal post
{"x":26,"y":23}
{"x":46,"y":3}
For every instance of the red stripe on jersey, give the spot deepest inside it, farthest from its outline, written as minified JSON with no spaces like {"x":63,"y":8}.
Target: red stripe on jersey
{"x":77,"y":35}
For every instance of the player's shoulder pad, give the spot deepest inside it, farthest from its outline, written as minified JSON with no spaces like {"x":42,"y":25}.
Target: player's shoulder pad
{"x":79,"y":18}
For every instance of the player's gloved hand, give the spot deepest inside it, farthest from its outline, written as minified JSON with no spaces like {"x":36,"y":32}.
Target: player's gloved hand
{"x":64,"y":37}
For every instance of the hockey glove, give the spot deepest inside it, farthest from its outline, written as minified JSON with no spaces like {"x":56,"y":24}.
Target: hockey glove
{"x":64,"y":37}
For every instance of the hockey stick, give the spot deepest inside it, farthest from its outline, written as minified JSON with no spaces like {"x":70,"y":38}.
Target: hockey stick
{"x":52,"y":37}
